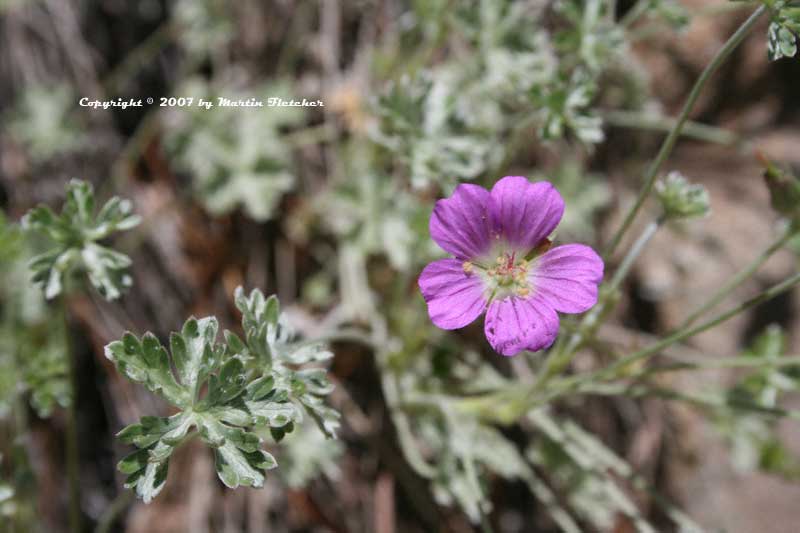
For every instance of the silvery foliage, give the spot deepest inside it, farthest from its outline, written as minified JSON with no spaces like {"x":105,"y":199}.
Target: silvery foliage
{"x":752,"y":436}
{"x":563,"y":108}
{"x":464,"y":452}
{"x":419,"y":124}
{"x":32,"y":356}
{"x":442,"y":121}
{"x":6,"y":498}
{"x":226,"y":393}
{"x":235,"y":157}
{"x":784,"y":28}
{"x":467,"y":452}
{"x":75,"y":234}
{"x":583,"y":476}
{"x":306,"y":453}
{"x":42,"y":123}
{"x":205,"y":26}
{"x":377,"y":215}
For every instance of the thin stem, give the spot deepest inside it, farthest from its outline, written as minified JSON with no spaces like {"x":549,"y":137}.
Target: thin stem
{"x":654,"y":122}
{"x":72,"y":450}
{"x":684,"y":333}
{"x":705,"y":400}
{"x":634,"y":253}
{"x":509,"y":403}
{"x":669,"y":142}
{"x":720,"y":363}
{"x":633,"y":14}
{"x":562,"y":354}
{"x":740,"y":277}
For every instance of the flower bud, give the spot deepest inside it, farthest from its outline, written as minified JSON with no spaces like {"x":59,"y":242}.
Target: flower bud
{"x":784,"y":190}
{"x":681,"y":199}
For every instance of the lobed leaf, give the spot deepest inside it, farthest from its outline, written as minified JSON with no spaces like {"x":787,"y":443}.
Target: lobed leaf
{"x":74,"y":233}
{"x":223,"y":392}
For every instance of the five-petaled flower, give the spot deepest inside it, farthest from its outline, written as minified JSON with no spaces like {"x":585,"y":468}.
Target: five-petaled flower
{"x":503,"y":264}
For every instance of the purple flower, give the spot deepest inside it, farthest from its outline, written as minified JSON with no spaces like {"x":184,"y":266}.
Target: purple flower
{"x":504,"y":266}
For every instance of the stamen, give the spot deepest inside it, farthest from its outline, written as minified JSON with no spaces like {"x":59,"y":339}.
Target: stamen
{"x":510,"y":275}
{"x":467,"y":266}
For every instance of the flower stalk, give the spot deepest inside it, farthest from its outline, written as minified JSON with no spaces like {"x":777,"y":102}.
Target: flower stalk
{"x":669,"y":143}
{"x":517,"y":400}
{"x":684,"y":333}
{"x":741,"y":276}
{"x":562,"y":354}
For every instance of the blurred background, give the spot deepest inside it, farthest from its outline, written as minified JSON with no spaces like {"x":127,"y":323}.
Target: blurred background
{"x":328,"y":207}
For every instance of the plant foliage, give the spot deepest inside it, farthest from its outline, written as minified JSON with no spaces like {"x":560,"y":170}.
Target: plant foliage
{"x":75,"y":234}
{"x":226,"y":393}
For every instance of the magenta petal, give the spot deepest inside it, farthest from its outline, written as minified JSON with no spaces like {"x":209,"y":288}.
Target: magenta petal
{"x":462,"y":224}
{"x":515,"y":324}
{"x":566,"y":278}
{"x":454,"y":298}
{"x":527,"y":212}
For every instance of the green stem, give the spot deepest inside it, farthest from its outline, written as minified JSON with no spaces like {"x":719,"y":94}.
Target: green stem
{"x":715,"y":364}
{"x":72,"y":450}
{"x":653,"y":122}
{"x":634,"y":253}
{"x":510,"y":403}
{"x":633,"y":14}
{"x":669,"y":143}
{"x":562,"y":354}
{"x":684,"y":333}
{"x":705,"y":400}
{"x":740,"y":277}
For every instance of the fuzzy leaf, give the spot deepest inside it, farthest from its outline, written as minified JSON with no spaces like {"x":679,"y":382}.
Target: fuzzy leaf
{"x":243,"y":393}
{"x":74,"y":233}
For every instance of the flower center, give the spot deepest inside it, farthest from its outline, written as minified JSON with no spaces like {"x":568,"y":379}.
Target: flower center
{"x":509,"y":275}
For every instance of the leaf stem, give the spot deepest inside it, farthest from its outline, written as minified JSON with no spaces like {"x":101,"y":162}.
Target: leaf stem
{"x":740,"y":277}
{"x":669,"y":143}
{"x":72,"y":450}
{"x":655,"y":122}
